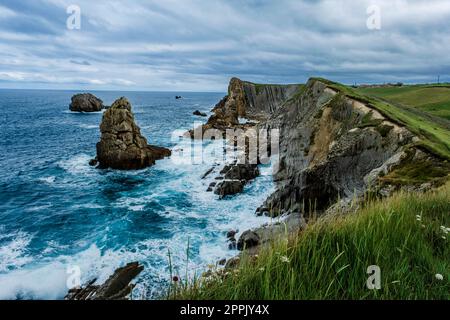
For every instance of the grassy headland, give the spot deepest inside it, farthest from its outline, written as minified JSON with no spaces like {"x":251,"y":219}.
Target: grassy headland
{"x":433,"y":99}
{"x":433,"y":131}
{"x":406,"y":236}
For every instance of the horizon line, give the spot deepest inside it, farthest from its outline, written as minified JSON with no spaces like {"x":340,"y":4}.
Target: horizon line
{"x":110,"y":90}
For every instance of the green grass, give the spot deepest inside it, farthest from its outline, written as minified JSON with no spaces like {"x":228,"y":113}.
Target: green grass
{"x":329,"y":260}
{"x":434,"y":100}
{"x":433,"y":131}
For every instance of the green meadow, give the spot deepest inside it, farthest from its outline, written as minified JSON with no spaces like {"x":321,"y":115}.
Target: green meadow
{"x":431,"y":99}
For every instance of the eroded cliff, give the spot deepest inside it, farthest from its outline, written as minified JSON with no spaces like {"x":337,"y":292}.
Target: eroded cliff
{"x":248,"y":101}
{"x":333,"y":148}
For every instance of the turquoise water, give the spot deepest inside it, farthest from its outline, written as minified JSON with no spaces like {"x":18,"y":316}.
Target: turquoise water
{"x":57,"y":212}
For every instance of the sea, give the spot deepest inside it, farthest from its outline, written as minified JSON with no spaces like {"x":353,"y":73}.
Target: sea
{"x":63,"y":222}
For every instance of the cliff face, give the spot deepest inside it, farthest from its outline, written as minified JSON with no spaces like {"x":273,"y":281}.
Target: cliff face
{"x":332,"y":148}
{"x":250,"y":101}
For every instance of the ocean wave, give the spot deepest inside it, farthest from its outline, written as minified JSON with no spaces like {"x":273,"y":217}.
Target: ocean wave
{"x":48,"y":180}
{"x":77,"y":165}
{"x":88,"y":126}
{"x":13,"y":251}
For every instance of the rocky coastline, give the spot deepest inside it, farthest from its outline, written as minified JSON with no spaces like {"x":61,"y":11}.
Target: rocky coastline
{"x":334,"y":150}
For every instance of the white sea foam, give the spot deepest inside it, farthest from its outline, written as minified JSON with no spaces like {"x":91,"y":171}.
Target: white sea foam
{"x":242,"y":120}
{"x":46,"y":278}
{"x":13,"y":254}
{"x":88,"y":126}
{"x":87,"y":206}
{"x":48,"y":180}
{"x":78,"y":164}
{"x":38,"y":208}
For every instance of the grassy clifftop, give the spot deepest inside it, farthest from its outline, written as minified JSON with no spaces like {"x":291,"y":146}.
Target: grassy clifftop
{"x":432,"y":99}
{"x":433,"y":131}
{"x":405,"y":236}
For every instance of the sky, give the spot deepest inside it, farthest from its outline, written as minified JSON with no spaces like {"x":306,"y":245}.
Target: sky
{"x":198,"y":45}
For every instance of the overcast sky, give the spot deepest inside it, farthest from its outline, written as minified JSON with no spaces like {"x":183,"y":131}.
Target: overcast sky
{"x":198,"y":45}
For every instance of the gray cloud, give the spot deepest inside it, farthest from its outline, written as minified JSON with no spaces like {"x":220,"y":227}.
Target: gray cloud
{"x":197,"y":45}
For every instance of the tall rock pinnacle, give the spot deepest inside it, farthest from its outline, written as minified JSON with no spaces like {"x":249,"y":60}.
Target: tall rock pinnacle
{"x":121,"y":144}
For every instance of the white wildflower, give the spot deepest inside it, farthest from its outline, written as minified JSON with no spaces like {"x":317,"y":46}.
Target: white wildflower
{"x":419,"y":218}
{"x":439,"y":277}
{"x":284,"y":259}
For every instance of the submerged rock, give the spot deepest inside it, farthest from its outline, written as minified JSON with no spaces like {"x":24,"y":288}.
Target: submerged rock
{"x":121,"y":145}
{"x":86,"y":102}
{"x":117,"y":287}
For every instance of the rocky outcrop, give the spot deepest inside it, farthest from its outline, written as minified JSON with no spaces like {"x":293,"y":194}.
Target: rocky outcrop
{"x":333,"y":149}
{"x":235,"y":176}
{"x":329,"y":144}
{"x":199,"y":113}
{"x":86,"y":102}
{"x":229,"y":188}
{"x":117,"y":287}
{"x":121,"y":144}
{"x":247,"y":100}
{"x":240,"y":171}
{"x":248,"y":240}
{"x":280,"y":228}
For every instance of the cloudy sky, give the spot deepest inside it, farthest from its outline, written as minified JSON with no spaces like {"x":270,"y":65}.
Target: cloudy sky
{"x":197,"y":45}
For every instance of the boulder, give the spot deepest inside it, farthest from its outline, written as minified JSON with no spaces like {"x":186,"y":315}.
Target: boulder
{"x":229,"y":187}
{"x":222,"y":262}
{"x":121,"y":144}
{"x":117,"y":287}
{"x":236,"y":177}
{"x":231,"y":234}
{"x":248,"y":239}
{"x":242,"y":172}
{"x":200,"y":114}
{"x":93,"y":162}
{"x":86,"y":102}
{"x":232,"y":263}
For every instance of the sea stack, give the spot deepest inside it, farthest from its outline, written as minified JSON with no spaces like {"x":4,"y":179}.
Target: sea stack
{"x":86,"y":102}
{"x":121,"y":144}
